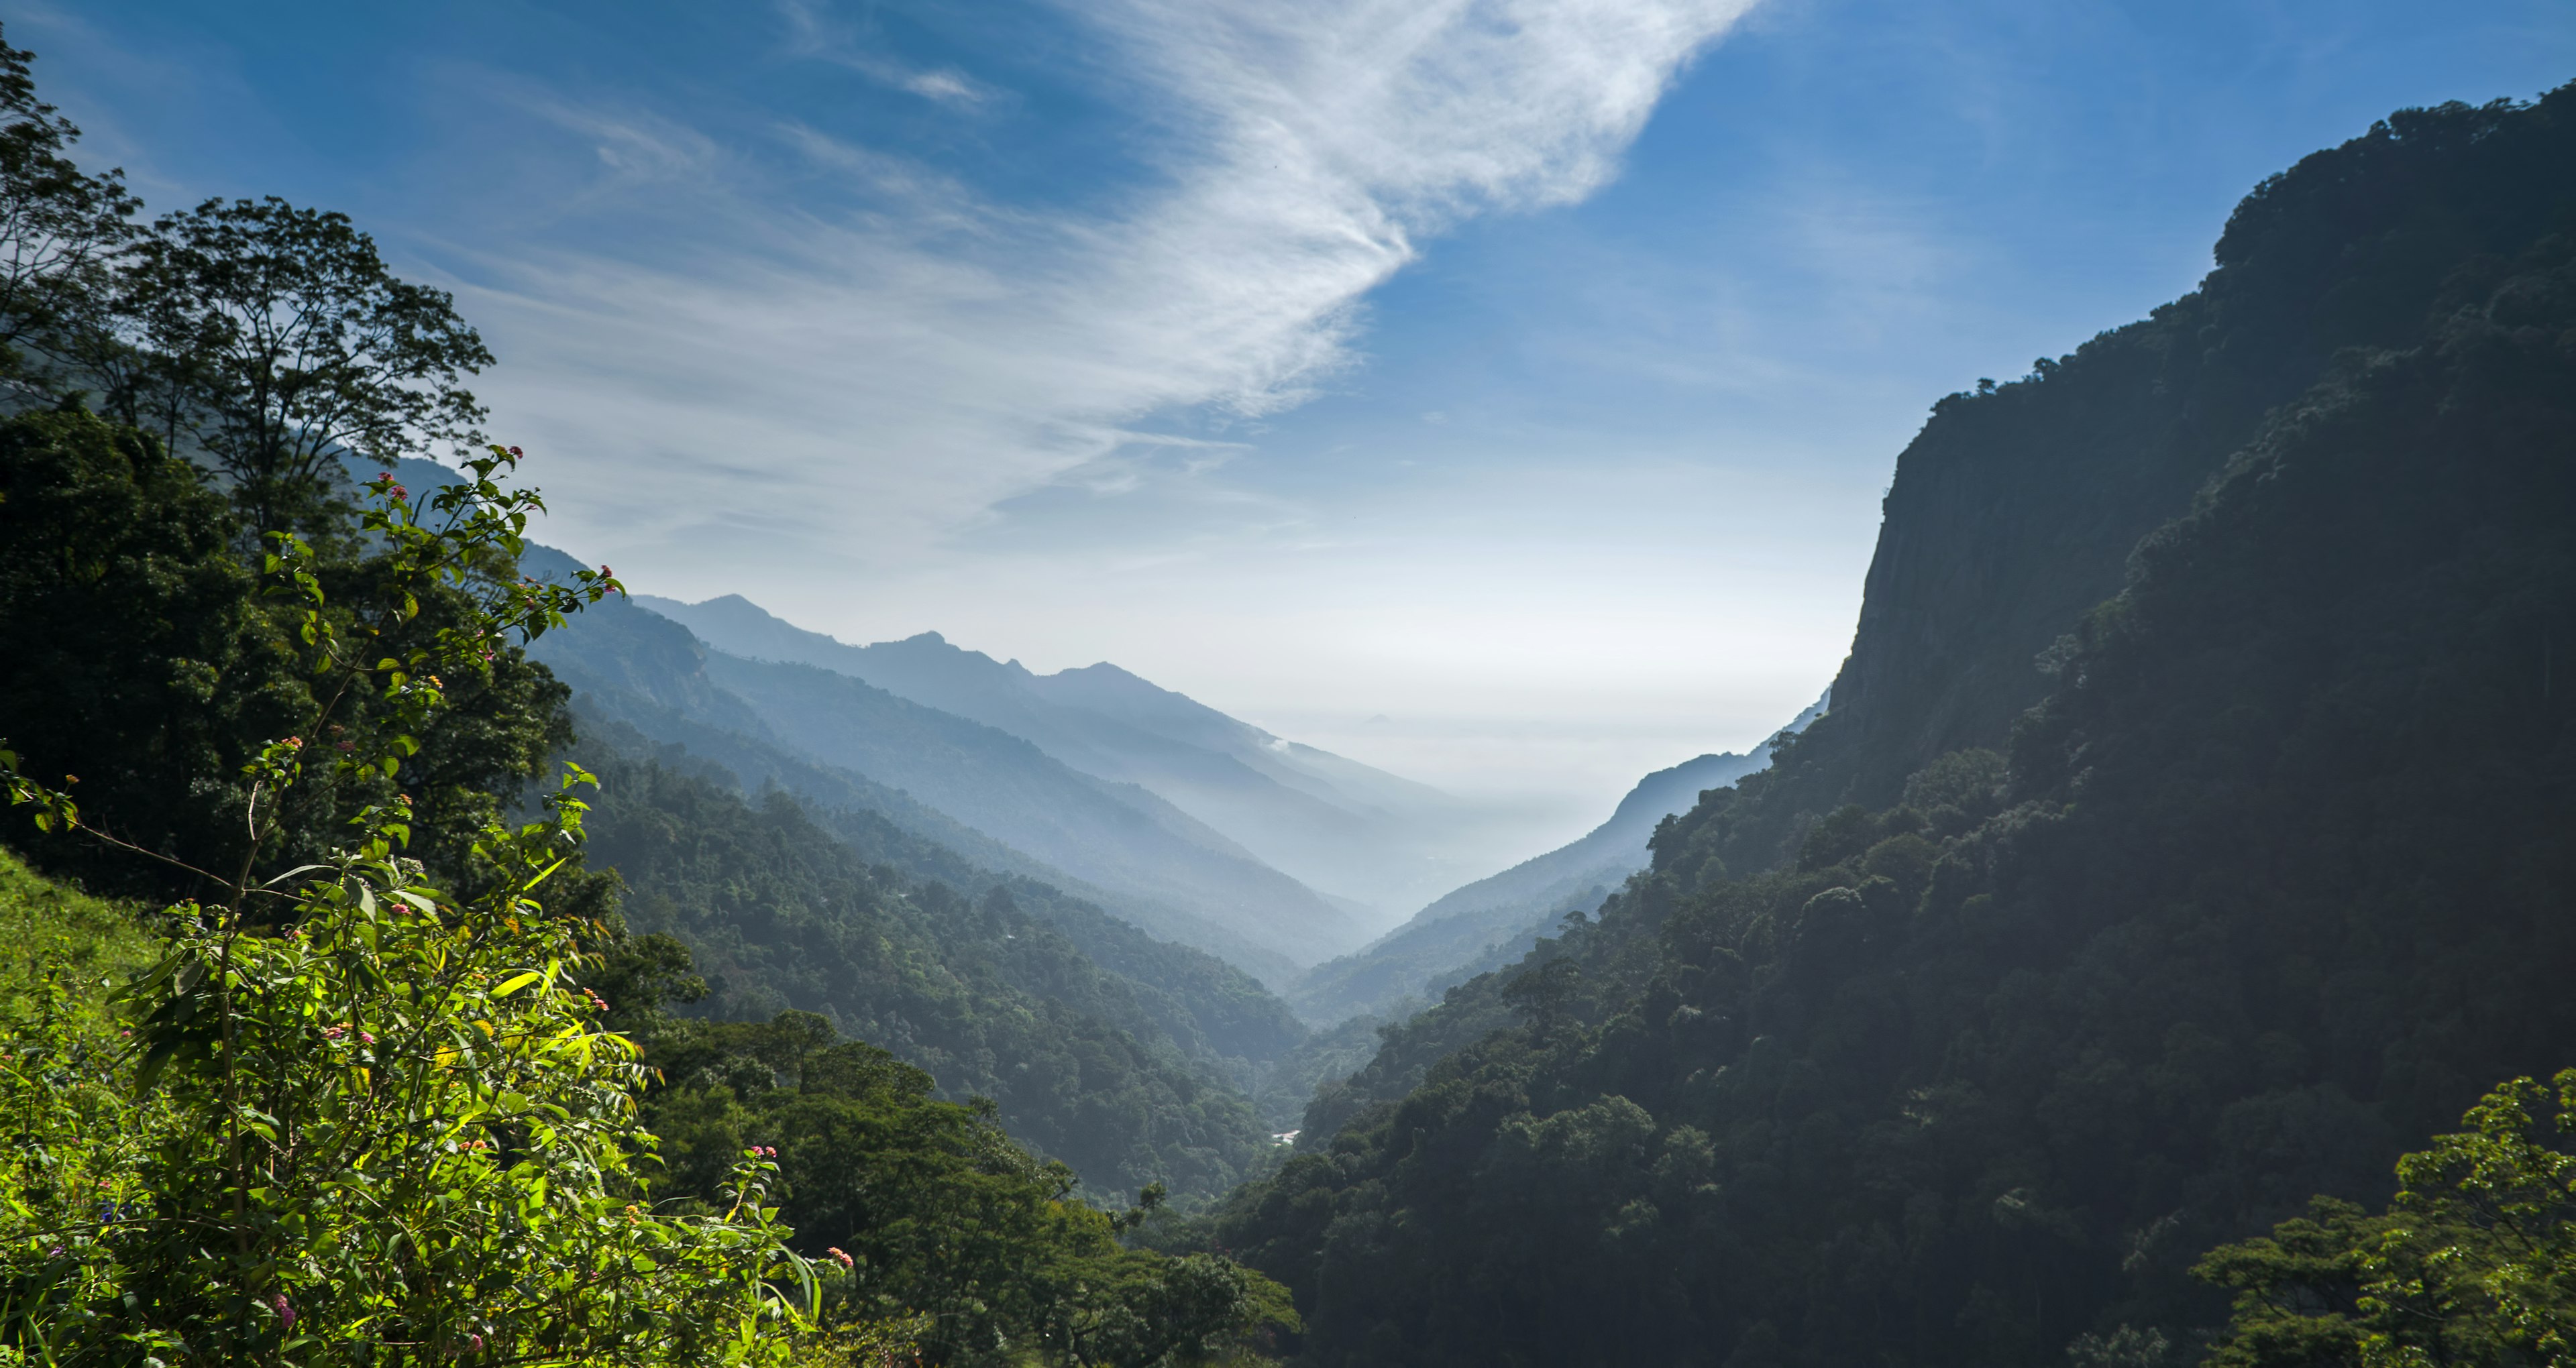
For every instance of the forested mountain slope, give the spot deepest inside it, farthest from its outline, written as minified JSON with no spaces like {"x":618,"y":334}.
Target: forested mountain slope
{"x":1334,"y":824}
{"x":1511,"y":908}
{"x":2014,"y":512}
{"x":1120,"y":1080}
{"x":1118,"y":836}
{"x":2272,"y":881}
{"x":1199,"y":997}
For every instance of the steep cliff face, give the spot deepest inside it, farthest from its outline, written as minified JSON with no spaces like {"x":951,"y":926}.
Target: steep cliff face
{"x":2016,"y":509}
{"x":2275,"y":883}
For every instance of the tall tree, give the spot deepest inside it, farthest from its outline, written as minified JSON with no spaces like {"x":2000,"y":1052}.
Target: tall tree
{"x":276,"y":337}
{"x":61,"y":230}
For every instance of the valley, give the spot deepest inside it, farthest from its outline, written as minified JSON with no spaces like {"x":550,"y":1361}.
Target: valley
{"x":2150,"y":949}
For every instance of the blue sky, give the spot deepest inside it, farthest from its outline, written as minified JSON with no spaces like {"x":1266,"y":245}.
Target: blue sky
{"x":1523,"y":373}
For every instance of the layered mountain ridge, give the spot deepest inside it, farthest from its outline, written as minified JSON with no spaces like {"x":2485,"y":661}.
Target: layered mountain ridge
{"x":1377,"y":843}
{"x":940,"y":774}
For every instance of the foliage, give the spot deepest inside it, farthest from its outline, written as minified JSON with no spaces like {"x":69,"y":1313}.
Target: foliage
{"x":275,"y":338}
{"x":2020,"y":506}
{"x":2474,"y":1262}
{"x":61,"y":229}
{"x":371,"y":1121}
{"x":146,"y":662}
{"x":374,"y":1108}
{"x":2274,"y":876}
{"x":268,"y":338}
{"x":988,"y":997}
{"x":1209,"y":1008}
{"x":938,"y":1212}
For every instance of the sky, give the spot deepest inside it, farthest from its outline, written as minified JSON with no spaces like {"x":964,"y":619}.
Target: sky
{"x":1497,"y":391}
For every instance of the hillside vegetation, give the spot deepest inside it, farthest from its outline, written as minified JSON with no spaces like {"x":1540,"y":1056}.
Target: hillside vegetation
{"x":1960,"y":1036}
{"x":362,"y":1047}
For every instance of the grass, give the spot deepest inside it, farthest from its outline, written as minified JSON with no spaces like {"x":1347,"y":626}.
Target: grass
{"x":47,"y":928}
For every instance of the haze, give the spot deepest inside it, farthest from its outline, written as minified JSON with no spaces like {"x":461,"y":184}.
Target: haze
{"x":1497,"y":393}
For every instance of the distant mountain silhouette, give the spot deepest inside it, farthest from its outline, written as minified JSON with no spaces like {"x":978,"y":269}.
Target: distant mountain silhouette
{"x":1357,"y":834}
{"x":951,"y":780}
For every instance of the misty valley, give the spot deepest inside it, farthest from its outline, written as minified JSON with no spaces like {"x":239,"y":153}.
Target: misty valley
{"x":2152,"y":947}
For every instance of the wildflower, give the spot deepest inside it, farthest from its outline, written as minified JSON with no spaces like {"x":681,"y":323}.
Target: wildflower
{"x":285,"y":1313}
{"x":516,"y":452}
{"x":366,"y":1039}
{"x":401,"y":493}
{"x":840,"y":1257}
{"x":474,"y":1344}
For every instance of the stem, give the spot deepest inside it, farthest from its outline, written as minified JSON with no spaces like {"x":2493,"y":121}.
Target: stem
{"x":224,"y":1013}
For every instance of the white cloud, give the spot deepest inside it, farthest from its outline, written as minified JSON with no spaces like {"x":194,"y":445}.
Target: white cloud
{"x":813,"y":33}
{"x":849,"y":391}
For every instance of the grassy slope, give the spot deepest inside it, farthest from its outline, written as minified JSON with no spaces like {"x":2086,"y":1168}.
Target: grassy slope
{"x":48,"y":928}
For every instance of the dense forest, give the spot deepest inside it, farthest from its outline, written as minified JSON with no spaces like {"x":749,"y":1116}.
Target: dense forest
{"x":1965,"y":1033}
{"x":2151,"y":959}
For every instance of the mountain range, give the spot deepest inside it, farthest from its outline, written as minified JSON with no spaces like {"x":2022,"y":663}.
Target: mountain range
{"x":1376,"y":844}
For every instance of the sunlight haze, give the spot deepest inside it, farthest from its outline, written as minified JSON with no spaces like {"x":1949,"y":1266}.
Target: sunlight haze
{"x":1527,"y":374}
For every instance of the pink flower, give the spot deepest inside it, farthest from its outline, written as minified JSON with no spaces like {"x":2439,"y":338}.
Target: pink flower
{"x":474,"y":1344}
{"x":516,"y":452}
{"x":844,"y":1259}
{"x":285,"y":1313}
{"x":401,"y":493}
{"x":365,"y":1038}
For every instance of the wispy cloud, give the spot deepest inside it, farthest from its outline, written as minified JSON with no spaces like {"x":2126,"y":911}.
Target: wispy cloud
{"x":845,"y":388}
{"x":813,"y":32}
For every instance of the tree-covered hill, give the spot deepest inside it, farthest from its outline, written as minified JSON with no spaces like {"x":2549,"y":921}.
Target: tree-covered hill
{"x":1506,"y":911}
{"x":1121,"y":1081}
{"x":2271,"y":883}
{"x":2013,"y":512}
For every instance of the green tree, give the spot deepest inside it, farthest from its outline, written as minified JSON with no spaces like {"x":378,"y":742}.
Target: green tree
{"x":2474,"y":1262}
{"x":145,"y":660}
{"x":274,"y":337}
{"x":61,"y":230}
{"x":390,"y":1128}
